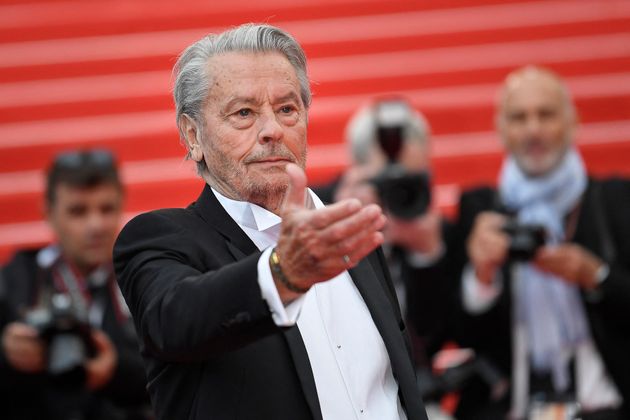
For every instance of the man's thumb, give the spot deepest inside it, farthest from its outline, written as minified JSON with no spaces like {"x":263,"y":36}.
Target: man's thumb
{"x":296,"y":193}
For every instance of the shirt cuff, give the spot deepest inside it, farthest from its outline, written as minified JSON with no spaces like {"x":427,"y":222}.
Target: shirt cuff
{"x":477,"y":296}
{"x":602,"y":274}
{"x":283,"y":316}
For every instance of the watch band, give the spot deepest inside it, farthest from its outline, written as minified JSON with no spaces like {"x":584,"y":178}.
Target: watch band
{"x":274,"y":264}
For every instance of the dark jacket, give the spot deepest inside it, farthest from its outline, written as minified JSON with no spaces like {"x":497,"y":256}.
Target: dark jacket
{"x":37,"y":396}
{"x":604,"y":229}
{"x":210,"y":345}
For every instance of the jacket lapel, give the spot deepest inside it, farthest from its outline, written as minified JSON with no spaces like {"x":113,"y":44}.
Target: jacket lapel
{"x":375,"y":296}
{"x":212,"y":212}
{"x":304,"y":370}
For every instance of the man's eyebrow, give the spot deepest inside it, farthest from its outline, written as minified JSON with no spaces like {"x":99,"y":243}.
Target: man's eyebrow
{"x":240,"y":100}
{"x":291,"y":96}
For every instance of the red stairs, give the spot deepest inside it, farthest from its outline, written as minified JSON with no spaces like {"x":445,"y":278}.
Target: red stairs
{"x":97,"y":74}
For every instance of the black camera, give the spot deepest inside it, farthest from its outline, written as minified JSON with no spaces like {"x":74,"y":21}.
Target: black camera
{"x":403,"y":193}
{"x":525,"y":239}
{"x":63,"y":327}
{"x":458,"y":373}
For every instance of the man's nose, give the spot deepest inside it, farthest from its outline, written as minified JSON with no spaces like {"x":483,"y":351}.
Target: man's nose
{"x":270,"y":128}
{"x":95,"y":222}
{"x":533,"y":125}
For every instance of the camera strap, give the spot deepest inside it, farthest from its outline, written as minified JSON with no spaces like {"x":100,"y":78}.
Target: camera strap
{"x":91,"y":294}
{"x":67,"y":281}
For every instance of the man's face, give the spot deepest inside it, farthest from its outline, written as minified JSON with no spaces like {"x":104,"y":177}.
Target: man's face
{"x":85,"y":221}
{"x":535,"y":123}
{"x":255,"y":123}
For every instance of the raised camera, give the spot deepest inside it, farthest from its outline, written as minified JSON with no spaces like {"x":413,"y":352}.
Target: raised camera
{"x":61,"y":326}
{"x":525,"y":239}
{"x":403,"y":193}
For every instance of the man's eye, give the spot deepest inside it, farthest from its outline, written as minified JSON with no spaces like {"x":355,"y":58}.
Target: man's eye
{"x":77,"y":211}
{"x":245,"y":112}
{"x":516,"y":117}
{"x":287,"y":109}
{"x":547,"y":114}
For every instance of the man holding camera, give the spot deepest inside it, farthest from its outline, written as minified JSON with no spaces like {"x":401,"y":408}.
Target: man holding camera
{"x":389,"y":146}
{"x":68,"y":347}
{"x":553,"y":316}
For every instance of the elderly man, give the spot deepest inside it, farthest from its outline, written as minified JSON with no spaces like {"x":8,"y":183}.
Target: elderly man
{"x":256,"y":301}
{"x":552,"y":316}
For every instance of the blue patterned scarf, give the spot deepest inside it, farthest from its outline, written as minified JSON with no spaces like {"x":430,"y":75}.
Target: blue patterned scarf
{"x":548,"y":307}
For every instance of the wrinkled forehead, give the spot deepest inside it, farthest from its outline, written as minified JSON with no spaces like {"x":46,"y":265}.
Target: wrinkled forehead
{"x":227,"y":69}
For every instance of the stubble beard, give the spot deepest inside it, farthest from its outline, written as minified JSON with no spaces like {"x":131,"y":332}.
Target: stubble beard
{"x":536,"y":167}
{"x":267,"y":191}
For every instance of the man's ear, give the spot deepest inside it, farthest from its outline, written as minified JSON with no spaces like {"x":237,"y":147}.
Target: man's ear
{"x":499,"y":125}
{"x":192,"y":137}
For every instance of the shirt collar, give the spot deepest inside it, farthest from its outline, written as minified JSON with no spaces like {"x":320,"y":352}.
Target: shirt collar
{"x":255,"y":217}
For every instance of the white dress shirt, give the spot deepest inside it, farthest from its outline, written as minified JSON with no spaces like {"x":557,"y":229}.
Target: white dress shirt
{"x":348,"y":358}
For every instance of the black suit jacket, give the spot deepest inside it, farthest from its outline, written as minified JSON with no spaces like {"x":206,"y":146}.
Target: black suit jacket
{"x":603,"y":223}
{"x":210,"y":346}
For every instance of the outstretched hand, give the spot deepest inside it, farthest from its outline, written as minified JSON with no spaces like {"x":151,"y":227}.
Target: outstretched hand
{"x":316,"y":245}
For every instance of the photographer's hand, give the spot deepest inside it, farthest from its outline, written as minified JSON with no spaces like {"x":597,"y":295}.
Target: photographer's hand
{"x":354,"y":184}
{"x":23,"y":348}
{"x":421,"y":235}
{"x":488,"y":245}
{"x":570,"y":262}
{"x":101,"y":367}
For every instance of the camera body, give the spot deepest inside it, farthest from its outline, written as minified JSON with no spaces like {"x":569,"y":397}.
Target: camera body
{"x":525,"y":239}
{"x":405,"y":194}
{"x":62,"y":326}
{"x":454,"y":369}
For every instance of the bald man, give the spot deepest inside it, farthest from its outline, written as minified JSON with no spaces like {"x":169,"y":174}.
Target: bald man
{"x":554,"y":320}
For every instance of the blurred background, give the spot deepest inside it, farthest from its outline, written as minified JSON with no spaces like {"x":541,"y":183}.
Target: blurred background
{"x":96,"y":74}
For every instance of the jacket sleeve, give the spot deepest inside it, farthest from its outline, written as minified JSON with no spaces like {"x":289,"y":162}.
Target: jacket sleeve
{"x":430,"y":298}
{"x":15,"y":286}
{"x":188,"y":304}
{"x":612,"y":298}
{"x":487,"y":332}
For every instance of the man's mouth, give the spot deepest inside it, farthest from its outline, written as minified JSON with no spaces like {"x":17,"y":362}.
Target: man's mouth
{"x":272,"y":160}
{"x":535,"y":148}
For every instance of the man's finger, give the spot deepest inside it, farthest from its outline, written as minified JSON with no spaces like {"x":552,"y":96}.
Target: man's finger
{"x":296,"y":193}
{"x":355,"y":240}
{"x":365,"y":247}
{"x":325,"y":217}
{"x":362,"y":220}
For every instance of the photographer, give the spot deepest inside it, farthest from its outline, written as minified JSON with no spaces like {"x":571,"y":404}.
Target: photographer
{"x":389,"y":145}
{"x":549,"y":309}
{"x":68,"y":347}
